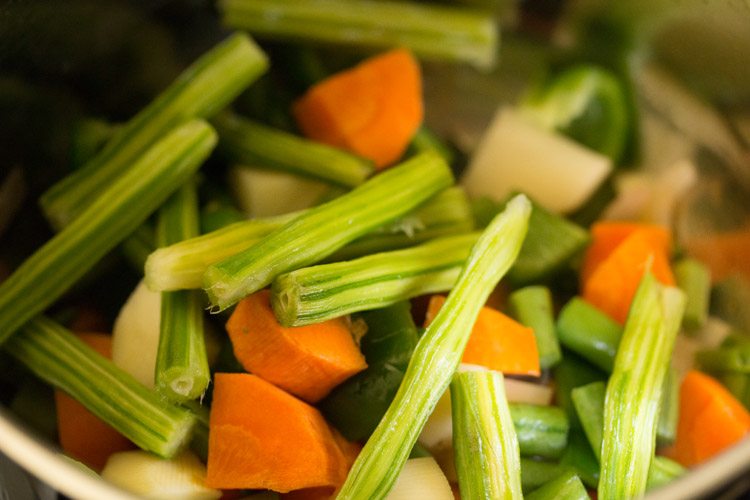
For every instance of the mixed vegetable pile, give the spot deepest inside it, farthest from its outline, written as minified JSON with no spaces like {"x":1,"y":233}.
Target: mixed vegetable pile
{"x":340,"y":294}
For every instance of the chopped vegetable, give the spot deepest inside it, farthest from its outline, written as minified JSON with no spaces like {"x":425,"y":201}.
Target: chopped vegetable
{"x":306,"y":361}
{"x":116,"y":212}
{"x":724,"y":253}
{"x":356,"y":406}
{"x":181,"y":361}
{"x":532,"y":306}
{"x":710,"y":420}
{"x":250,"y":143}
{"x":589,"y":332}
{"x":140,"y":414}
{"x":384,"y":454}
{"x":613,"y":283}
{"x":431,"y":31}
{"x":421,"y":477}
{"x":204,"y":88}
{"x":497,"y":341}
{"x":570,"y":373}
{"x":326,"y":291}
{"x":246,"y":451}
{"x":83,"y":435}
{"x":567,"y":486}
{"x":484,"y":439}
{"x":372,"y":110}
{"x":634,"y":389}
{"x":694,"y":278}
{"x":318,"y":232}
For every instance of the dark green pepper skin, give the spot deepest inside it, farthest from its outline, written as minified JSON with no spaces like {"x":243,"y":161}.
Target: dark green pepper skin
{"x":356,"y":406}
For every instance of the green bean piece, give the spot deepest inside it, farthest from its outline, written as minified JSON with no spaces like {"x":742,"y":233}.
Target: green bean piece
{"x":319,"y":232}
{"x":534,"y":473}
{"x":247,"y":142}
{"x":694,"y":278}
{"x":356,"y":406}
{"x":589,"y":332}
{"x":729,"y":299}
{"x":580,"y":457}
{"x":181,"y":361}
{"x":317,"y":293}
{"x":488,"y":461}
{"x":431,"y":31}
{"x":725,"y":359}
{"x":570,"y":373}
{"x":589,"y":404}
{"x":736,"y":383}
{"x":532,"y":306}
{"x":542,"y":431}
{"x":634,"y":389}
{"x":204,"y":88}
{"x":669,"y":409}
{"x":566,"y":486}
{"x":663,"y":470}
{"x":57,"y":356}
{"x":437,"y":356}
{"x":182,"y":265}
{"x":116,"y":213}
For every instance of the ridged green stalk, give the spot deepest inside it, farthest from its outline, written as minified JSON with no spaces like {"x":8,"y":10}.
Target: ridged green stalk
{"x":488,"y":461}
{"x":250,"y":143}
{"x":111,"y":217}
{"x":322,"y":230}
{"x":57,"y":356}
{"x":437,"y":356}
{"x":634,"y":389}
{"x":317,"y":293}
{"x":435,"y":32}
{"x":203,"y":89}
{"x":181,"y":361}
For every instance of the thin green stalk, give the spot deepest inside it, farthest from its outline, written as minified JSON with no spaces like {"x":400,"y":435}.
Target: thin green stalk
{"x":431,"y":31}
{"x":111,"y":217}
{"x":634,"y":389}
{"x":532,"y":306}
{"x":317,"y":293}
{"x":57,"y":356}
{"x":181,"y":266}
{"x":322,"y":230}
{"x":203,"y":89}
{"x":181,"y":361}
{"x":250,"y":143}
{"x":437,"y":356}
{"x":488,"y":461}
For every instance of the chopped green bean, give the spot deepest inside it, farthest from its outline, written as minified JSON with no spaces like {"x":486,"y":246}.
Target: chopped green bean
{"x":534,"y":473}
{"x":488,"y":460}
{"x":114,"y":214}
{"x":532,"y":306}
{"x":694,"y":278}
{"x":669,"y":409}
{"x":181,"y":361}
{"x":589,"y":332}
{"x":589,"y":404}
{"x":319,"y":232}
{"x":204,"y":88}
{"x":431,"y":31}
{"x":567,"y":486}
{"x":572,"y":372}
{"x":542,"y":431}
{"x":437,"y":356}
{"x":634,"y":389}
{"x":57,"y":356}
{"x":250,"y":143}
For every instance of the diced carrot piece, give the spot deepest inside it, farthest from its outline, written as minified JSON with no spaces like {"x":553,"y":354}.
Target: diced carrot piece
{"x":711,"y":420}
{"x":261,"y":437}
{"x":307,"y":361}
{"x":372,"y":110}
{"x":612,"y":285}
{"x":83,"y":435}
{"x":724,"y":253}
{"x":497,"y":341}
{"x":607,"y":235}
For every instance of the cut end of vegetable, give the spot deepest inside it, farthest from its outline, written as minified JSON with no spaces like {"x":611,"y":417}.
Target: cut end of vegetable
{"x":373,"y":109}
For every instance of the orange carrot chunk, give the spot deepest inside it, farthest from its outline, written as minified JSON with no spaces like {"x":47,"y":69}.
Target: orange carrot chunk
{"x":724,"y":253}
{"x":497,"y":341}
{"x":372,"y":110}
{"x":261,"y":437}
{"x":612,"y":285}
{"x":307,"y":361}
{"x":83,"y":435}
{"x":607,"y":235}
{"x":711,"y":420}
